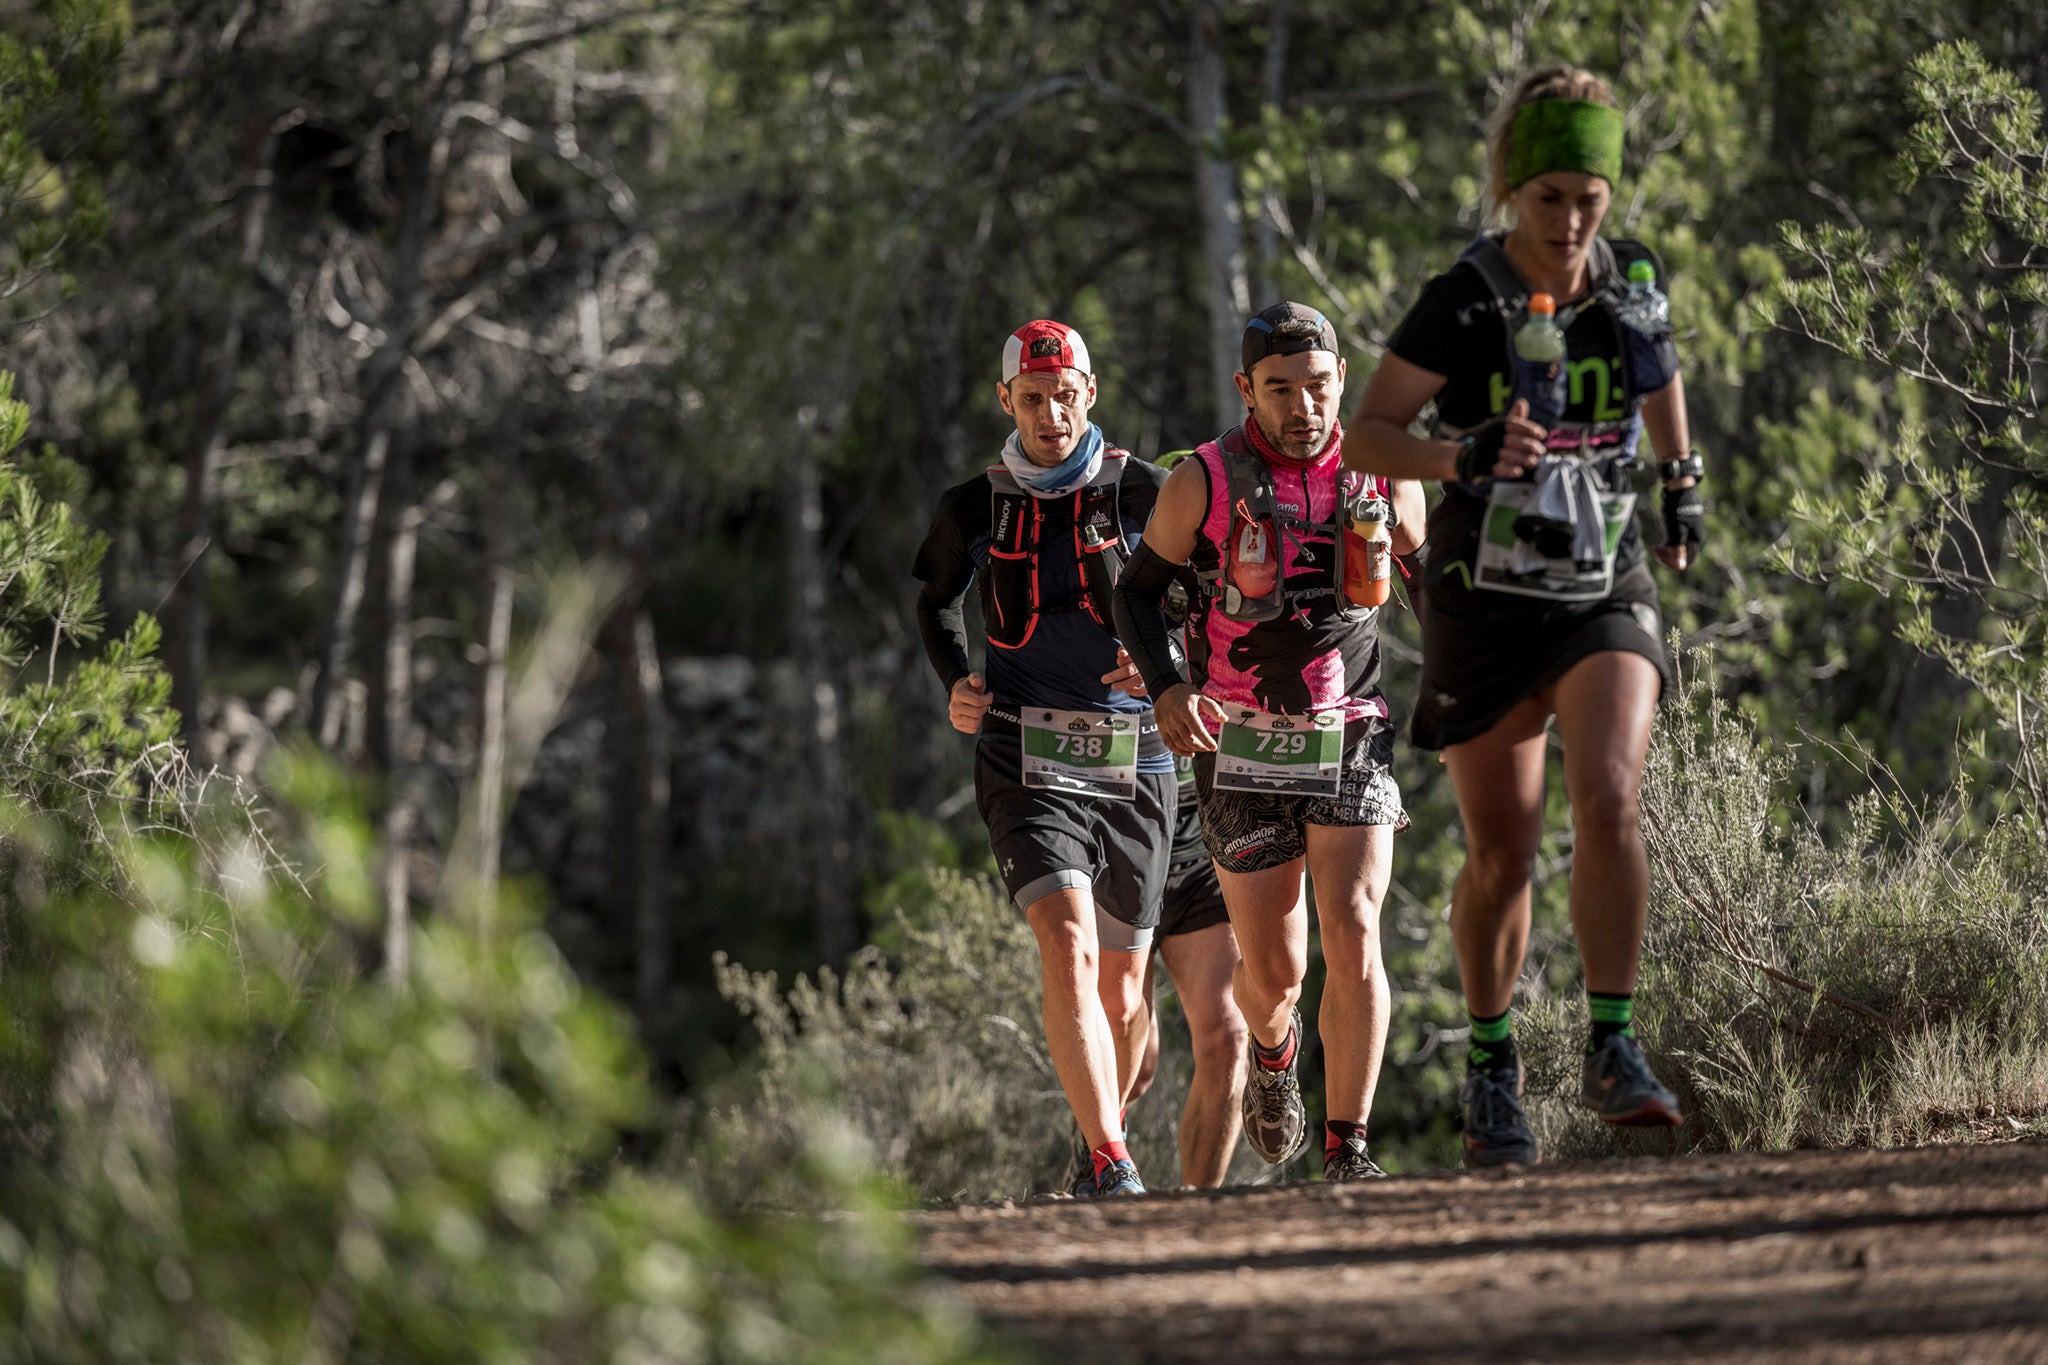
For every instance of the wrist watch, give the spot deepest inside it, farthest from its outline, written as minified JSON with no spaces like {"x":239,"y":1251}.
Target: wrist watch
{"x":1685,"y":466}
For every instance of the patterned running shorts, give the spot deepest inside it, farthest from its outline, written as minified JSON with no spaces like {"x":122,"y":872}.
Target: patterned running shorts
{"x":1254,"y":831}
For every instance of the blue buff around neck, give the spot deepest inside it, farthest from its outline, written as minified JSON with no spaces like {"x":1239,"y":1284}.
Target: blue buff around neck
{"x":1066,"y":472}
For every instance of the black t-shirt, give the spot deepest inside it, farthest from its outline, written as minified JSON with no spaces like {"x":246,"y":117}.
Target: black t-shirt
{"x":1458,"y":329}
{"x":1062,"y":664}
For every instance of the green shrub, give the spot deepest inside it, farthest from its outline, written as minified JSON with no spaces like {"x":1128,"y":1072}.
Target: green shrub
{"x":221,"y":1140}
{"x":931,"y":1054}
{"x":1882,"y":984}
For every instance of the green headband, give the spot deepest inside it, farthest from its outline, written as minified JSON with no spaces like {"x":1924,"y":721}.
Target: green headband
{"x":1564,"y":135}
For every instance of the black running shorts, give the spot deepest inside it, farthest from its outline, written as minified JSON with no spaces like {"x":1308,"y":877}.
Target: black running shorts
{"x":1046,"y":841}
{"x":1483,"y":652}
{"x":1194,"y":898}
{"x":1254,"y":831}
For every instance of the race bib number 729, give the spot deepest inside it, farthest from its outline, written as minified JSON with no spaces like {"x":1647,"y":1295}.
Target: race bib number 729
{"x":1289,"y":755}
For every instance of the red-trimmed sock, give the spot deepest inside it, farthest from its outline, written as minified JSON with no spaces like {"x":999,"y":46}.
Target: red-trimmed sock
{"x":1280,"y":1058}
{"x":1108,"y":1154}
{"x":1334,"y":1133}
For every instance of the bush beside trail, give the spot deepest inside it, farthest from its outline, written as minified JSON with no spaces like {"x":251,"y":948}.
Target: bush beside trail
{"x":1881,"y":984}
{"x":221,"y":1138}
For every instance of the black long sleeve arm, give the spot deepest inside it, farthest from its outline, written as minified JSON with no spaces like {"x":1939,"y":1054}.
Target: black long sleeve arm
{"x":942,"y":625}
{"x":1141,"y":620}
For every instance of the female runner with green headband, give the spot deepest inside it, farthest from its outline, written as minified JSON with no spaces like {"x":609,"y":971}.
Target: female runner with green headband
{"x":1537,"y":601}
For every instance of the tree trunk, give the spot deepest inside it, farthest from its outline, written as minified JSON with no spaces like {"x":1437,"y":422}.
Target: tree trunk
{"x":419,"y":196}
{"x":394,"y":740}
{"x":185,"y":645}
{"x":823,"y":800}
{"x":640,"y":787}
{"x":1224,"y":290}
{"x":1276,"y":99}
{"x":490,"y":729}
{"x":640,"y":798}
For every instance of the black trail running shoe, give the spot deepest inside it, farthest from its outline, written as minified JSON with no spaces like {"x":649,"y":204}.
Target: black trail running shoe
{"x":1496,"y":1130}
{"x":1349,"y":1162}
{"x":1619,"y":1088}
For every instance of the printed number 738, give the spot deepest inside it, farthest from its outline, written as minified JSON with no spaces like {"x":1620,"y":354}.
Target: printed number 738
{"x":1283,"y":744}
{"x":1081,"y":746}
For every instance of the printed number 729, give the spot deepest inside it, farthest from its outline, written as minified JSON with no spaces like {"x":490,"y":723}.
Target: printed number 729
{"x":1279,"y":745}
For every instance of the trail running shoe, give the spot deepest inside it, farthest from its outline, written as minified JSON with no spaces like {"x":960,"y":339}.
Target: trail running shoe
{"x":1619,"y":1088}
{"x":1496,"y":1130}
{"x":1349,"y":1162}
{"x":1274,"y":1124}
{"x":1117,"y":1179}
{"x":1080,"y":1165}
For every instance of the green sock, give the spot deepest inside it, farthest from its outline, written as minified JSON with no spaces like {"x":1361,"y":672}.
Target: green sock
{"x":1611,"y":1015}
{"x":1493,"y":1042}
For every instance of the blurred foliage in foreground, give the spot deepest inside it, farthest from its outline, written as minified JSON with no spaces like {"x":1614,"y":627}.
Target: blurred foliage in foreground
{"x":221,"y":1139}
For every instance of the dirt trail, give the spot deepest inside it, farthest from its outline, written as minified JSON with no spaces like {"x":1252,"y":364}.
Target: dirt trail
{"x":1935,"y":1253}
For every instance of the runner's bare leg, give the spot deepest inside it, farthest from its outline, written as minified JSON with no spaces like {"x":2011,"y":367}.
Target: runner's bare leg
{"x":1120,"y":983}
{"x":1604,"y":705}
{"x":1498,"y":777}
{"x":1269,"y":912}
{"x":1350,"y":866}
{"x":1202,"y":965}
{"x":1077,"y":1032}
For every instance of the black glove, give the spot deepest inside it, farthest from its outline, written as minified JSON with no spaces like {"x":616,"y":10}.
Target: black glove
{"x":1685,"y":517}
{"x":1479,"y":451}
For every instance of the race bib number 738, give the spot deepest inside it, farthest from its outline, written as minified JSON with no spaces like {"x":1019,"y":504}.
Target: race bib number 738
{"x":1090,"y":753}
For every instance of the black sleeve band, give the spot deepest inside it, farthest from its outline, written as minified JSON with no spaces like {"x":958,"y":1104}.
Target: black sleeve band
{"x":942,"y":625}
{"x":1141,"y":619}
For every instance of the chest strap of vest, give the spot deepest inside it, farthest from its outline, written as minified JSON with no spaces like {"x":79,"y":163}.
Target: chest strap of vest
{"x":1014,"y":595}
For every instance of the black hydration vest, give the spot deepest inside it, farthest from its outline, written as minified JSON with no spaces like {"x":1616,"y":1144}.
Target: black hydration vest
{"x":1012,"y":592}
{"x":1607,"y":264}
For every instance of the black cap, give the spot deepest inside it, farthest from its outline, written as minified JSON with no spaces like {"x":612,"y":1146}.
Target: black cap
{"x":1285,"y":329}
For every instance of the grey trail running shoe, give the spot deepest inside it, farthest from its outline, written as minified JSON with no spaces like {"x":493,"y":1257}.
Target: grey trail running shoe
{"x":1274,"y":1124}
{"x":1619,"y":1088}
{"x":1349,"y":1162}
{"x":1496,"y":1130}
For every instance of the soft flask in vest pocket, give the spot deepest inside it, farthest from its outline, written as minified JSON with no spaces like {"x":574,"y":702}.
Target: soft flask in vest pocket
{"x":1253,"y":581}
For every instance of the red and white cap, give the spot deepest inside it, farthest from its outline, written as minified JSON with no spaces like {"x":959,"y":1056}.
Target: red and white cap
{"x":1044,"y":345}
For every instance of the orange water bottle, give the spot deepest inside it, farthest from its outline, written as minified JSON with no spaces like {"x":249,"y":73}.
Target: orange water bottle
{"x":1368,"y":552}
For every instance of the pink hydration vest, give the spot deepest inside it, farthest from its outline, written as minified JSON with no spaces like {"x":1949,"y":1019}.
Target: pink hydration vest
{"x":1297,"y":665}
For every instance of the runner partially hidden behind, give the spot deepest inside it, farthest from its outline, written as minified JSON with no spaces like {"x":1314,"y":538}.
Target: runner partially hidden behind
{"x":1537,"y":602}
{"x":1284,"y":719}
{"x":1200,"y":953}
{"x":1070,"y":775}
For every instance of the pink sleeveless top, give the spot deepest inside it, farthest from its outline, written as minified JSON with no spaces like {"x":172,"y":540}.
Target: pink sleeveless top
{"x":1321,"y":653}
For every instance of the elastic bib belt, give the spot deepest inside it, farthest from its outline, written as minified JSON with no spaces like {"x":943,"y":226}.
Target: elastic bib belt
{"x":1148,"y":726}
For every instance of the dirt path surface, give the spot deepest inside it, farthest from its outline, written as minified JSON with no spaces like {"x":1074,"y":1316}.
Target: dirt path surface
{"x":1935,"y":1253}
